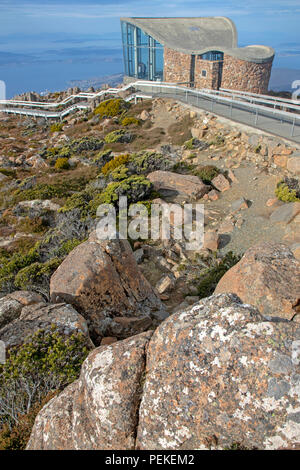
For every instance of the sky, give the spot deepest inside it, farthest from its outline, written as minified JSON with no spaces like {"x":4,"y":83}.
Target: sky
{"x":36,"y":34}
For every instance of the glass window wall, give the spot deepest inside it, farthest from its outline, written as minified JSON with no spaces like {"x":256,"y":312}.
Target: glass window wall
{"x":143,"y":55}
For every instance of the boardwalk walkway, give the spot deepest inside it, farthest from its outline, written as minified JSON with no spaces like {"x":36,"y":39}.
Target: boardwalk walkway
{"x":280,"y":117}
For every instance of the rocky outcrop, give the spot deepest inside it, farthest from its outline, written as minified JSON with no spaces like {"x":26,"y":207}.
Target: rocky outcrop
{"x":216,"y":375}
{"x":169,"y":184}
{"x":40,"y":316}
{"x":267,"y":277}
{"x":101,"y":279}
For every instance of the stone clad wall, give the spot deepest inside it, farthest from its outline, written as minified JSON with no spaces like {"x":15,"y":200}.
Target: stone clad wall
{"x":177,"y":66}
{"x":212,"y":74}
{"x":237,"y":74}
{"x":246,"y":76}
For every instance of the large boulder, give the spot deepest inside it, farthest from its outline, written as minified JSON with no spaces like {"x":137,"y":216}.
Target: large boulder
{"x":39,"y":316}
{"x":267,"y":277}
{"x":175,"y":184}
{"x":216,"y":375}
{"x":101,"y":279}
{"x":100,"y":410}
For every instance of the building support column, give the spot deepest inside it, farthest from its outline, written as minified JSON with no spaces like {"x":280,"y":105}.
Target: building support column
{"x":136,"y":65}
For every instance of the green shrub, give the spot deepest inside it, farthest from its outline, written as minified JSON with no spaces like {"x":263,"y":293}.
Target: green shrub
{"x":62,"y":163}
{"x":11,"y":265}
{"x":56,"y":127}
{"x":103,"y":157}
{"x":119,"y":173}
{"x":76,"y":146}
{"x":135,"y":187}
{"x":8,"y":172}
{"x":258,"y":148}
{"x":40,"y":191}
{"x":85,"y":144}
{"x":53,"y":151}
{"x":130,"y":121}
{"x":115,"y":163}
{"x":117,"y":136}
{"x":111,"y":108}
{"x":78,"y":201}
{"x":207,"y":173}
{"x":146,"y":162}
{"x":61,"y":188}
{"x":212,"y":275}
{"x":45,"y":363}
{"x":189,"y":144}
{"x":36,"y":274}
{"x":68,"y":246}
{"x":284,"y":193}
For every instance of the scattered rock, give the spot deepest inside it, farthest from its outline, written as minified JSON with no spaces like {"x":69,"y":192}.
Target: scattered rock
{"x":232,"y":176}
{"x":221,"y":183}
{"x":239,"y":204}
{"x":197,"y":133}
{"x":266,"y":277}
{"x":37,"y":162}
{"x":144,"y":115}
{"x":213,"y":195}
{"x":164,"y":284}
{"x":36,"y":207}
{"x":296,"y":250}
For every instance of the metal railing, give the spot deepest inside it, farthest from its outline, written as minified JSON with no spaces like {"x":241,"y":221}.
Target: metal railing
{"x":234,"y":108}
{"x":255,"y":110}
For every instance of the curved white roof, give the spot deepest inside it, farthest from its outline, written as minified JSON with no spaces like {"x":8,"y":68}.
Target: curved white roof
{"x":200,"y":35}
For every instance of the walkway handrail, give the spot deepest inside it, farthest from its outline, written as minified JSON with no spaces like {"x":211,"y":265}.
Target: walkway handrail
{"x":269,"y":97}
{"x":209,"y":94}
{"x":258,"y":99}
{"x":45,"y":104}
{"x":230,"y":100}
